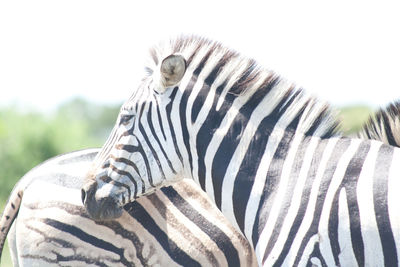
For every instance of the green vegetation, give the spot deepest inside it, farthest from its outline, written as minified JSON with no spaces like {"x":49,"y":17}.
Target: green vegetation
{"x":29,"y":138}
{"x":353,"y":117}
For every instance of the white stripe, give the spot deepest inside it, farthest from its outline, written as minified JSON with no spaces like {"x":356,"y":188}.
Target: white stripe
{"x":365,"y":198}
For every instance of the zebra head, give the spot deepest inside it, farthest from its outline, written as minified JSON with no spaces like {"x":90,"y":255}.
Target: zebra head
{"x":140,"y":155}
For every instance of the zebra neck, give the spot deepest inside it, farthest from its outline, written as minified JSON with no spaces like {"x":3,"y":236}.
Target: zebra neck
{"x":228,"y":138}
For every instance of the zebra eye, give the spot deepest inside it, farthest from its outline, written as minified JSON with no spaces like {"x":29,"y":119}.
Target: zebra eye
{"x":125,"y":119}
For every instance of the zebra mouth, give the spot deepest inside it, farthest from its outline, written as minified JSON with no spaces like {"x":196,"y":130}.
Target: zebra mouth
{"x":105,"y":209}
{"x":102,"y":209}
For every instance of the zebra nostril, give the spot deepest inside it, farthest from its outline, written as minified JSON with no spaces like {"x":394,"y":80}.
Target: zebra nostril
{"x":87,"y":191}
{"x":83,"y":196}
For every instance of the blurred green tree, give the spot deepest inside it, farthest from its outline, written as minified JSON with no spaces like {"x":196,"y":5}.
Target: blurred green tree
{"x":29,"y":138}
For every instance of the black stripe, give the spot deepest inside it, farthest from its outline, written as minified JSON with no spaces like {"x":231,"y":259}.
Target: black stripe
{"x":333,"y":228}
{"x":170,"y":247}
{"x":206,"y":132}
{"x":126,"y":162}
{"x":350,"y":184}
{"x":208,"y":81}
{"x":232,"y":139}
{"x":272,"y":179}
{"x":380,"y":190}
{"x":168,"y":109}
{"x":85,"y":237}
{"x":202,"y":63}
{"x":247,"y":171}
{"x":157,"y":107}
{"x":61,"y":259}
{"x":128,"y":148}
{"x":223,"y":242}
{"x":182,"y":115}
{"x":316,"y":254}
{"x":388,"y":129}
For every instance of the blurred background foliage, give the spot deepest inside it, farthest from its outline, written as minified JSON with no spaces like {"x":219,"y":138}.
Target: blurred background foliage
{"x":353,"y":117}
{"x":28,"y":138}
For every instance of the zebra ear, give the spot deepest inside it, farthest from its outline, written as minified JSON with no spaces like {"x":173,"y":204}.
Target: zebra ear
{"x":172,"y":70}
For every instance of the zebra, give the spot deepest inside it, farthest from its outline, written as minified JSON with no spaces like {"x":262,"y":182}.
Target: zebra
{"x":267,"y":153}
{"x":175,"y":226}
{"x":384,"y":125}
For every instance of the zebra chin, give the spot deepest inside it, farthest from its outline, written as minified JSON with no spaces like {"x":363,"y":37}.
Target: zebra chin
{"x":100,"y":209}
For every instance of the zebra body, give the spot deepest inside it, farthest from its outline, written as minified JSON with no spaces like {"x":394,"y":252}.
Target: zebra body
{"x":175,"y":226}
{"x":265,"y":152}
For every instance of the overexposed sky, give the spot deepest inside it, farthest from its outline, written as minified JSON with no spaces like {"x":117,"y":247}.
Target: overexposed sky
{"x":344,"y":51}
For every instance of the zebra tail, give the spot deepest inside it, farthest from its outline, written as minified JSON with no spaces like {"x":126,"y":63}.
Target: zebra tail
{"x":10,"y":213}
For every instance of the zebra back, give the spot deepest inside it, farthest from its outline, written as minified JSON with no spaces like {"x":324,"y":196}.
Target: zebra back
{"x":384,"y":125}
{"x":174,"y":226}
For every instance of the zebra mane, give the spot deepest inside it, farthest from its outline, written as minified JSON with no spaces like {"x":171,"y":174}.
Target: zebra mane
{"x":384,"y":125}
{"x":316,"y":117}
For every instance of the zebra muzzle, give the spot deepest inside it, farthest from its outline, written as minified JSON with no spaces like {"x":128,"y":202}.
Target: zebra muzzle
{"x":99,"y":208}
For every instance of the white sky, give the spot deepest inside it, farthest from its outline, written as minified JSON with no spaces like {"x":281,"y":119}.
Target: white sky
{"x":343,"y":51}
